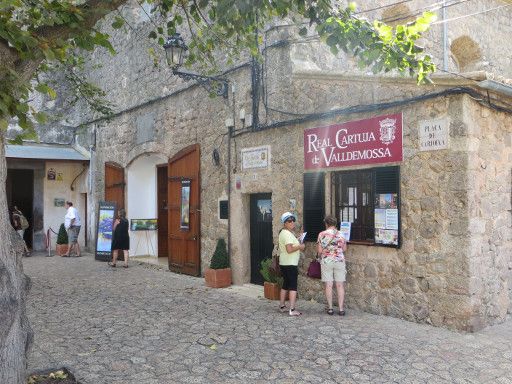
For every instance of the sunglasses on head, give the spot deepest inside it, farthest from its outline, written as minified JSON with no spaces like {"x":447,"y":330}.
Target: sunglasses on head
{"x":291,"y":220}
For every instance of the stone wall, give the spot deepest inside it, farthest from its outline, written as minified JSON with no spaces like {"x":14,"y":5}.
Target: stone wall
{"x":489,"y":205}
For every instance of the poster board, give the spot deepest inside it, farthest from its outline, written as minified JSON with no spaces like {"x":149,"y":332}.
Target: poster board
{"x":386,"y":219}
{"x":104,"y":230}
{"x":143,"y":224}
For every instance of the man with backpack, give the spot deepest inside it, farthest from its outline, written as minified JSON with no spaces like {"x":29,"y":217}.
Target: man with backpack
{"x":20,"y":223}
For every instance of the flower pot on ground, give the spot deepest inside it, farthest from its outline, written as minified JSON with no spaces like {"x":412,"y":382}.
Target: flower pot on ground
{"x":272,"y":281}
{"x":61,"y":248}
{"x":219,"y":273}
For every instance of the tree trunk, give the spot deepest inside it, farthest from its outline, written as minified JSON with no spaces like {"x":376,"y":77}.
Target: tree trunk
{"x":15,"y":331}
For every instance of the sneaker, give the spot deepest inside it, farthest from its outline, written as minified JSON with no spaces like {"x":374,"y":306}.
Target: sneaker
{"x":294,"y":312}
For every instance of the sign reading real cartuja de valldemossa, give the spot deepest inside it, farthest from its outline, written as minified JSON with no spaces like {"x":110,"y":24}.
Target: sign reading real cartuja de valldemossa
{"x":371,"y":141}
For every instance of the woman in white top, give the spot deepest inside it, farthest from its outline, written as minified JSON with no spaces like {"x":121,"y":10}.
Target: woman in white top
{"x":289,"y":253}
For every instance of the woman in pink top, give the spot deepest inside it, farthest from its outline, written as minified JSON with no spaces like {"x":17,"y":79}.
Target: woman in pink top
{"x":331,"y":246}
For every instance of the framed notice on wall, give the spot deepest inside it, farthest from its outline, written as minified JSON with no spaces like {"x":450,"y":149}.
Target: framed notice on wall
{"x":386,"y":219}
{"x":106,"y":214}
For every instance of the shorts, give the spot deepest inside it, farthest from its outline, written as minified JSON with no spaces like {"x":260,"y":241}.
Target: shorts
{"x":73,"y":233}
{"x":289,"y":273}
{"x":334,"y":271}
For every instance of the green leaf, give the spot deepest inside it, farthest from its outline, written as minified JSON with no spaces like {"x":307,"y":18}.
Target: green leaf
{"x":41,"y":117}
{"x":118,"y":22}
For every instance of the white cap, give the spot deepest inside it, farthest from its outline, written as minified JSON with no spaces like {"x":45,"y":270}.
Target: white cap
{"x":285,"y":216}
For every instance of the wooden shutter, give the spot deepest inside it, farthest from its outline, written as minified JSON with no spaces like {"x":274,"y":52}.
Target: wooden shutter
{"x":314,"y":204}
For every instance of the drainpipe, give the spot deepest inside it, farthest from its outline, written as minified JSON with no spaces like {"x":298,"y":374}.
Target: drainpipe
{"x":445,"y":37}
{"x":230,"y":134}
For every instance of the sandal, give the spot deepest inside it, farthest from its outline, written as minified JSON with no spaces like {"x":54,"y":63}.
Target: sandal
{"x":342,"y":313}
{"x":283,"y":308}
{"x":294,"y":312}
{"x":330,"y":312}
{"x":111,"y":264}
{"x":125,"y":266}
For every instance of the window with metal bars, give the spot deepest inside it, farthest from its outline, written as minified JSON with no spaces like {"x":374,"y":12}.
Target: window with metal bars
{"x":354,"y":197}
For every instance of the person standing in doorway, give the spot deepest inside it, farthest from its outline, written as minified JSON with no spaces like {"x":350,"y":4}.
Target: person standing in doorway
{"x":20,"y":223}
{"x":120,"y":239}
{"x":72,"y":223}
{"x":331,"y":246}
{"x":289,"y":254}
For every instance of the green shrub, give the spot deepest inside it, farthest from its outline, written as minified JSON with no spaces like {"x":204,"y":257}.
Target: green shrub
{"x":268,"y":273}
{"x":220,"y":257}
{"x":62,"y":236}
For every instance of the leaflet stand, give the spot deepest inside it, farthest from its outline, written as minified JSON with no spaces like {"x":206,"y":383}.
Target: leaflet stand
{"x":147,"y":241}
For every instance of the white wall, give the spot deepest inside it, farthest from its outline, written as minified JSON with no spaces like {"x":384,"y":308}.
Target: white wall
{"x":142,"y":202}
{"x":60,"y":188}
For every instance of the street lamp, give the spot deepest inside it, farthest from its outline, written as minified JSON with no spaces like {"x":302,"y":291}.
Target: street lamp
{"x":175,"y":49}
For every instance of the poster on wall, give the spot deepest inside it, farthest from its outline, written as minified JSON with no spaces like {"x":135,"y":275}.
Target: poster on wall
{"x":264,"y":211}
{"x":386,"y":219}
{"x":185,"y":204}
{"x":106,"y":214}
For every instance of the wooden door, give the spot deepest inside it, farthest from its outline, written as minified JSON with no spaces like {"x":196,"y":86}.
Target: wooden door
{"x":114,"y":184}
{"x":183,"y":190}
{"x":163,"y":249}
{"x":262,"y":243}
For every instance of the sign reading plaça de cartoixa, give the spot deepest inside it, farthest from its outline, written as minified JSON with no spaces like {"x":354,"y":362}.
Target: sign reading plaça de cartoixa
{"x":434,"y":134}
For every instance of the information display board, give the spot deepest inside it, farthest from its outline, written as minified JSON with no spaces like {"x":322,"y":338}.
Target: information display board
{"x":106,"y":214}
{"x":386,"y":219}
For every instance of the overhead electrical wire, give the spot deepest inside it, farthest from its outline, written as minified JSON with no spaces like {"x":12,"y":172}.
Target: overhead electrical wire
{"x":472,"y":14}
{"x":478,"y":97}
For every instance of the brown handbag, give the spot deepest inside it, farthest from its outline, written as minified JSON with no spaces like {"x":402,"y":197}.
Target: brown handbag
{"x":274,"y":266}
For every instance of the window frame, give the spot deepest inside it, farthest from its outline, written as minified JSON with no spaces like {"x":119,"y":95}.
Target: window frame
{"x":384,"y":180}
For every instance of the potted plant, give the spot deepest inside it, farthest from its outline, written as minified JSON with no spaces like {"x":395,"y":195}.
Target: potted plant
{"x":62,"y":241}
{"x":272,"y":281}
{"x":219,"y":273}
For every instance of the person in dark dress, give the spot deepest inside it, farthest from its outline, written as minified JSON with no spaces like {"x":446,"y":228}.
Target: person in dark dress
{"x":120,"y":238}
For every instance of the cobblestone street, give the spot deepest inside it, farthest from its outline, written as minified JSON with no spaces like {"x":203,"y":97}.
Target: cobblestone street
{"x":147,"y":325}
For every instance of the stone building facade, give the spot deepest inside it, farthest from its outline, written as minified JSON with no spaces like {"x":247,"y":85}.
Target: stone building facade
{"x":453,"y":266}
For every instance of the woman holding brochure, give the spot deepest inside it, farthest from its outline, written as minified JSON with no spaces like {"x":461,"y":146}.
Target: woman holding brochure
{"x":331,"y":246}
{"x":289,"y":254}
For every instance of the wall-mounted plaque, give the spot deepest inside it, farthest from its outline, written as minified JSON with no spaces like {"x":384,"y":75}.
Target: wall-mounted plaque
{"x":434,"y":134}
{"x":256,"y":157}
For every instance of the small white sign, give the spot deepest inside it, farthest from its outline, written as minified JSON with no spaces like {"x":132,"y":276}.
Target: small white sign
{"x":256,"y":157}
{"x":434,"y":134}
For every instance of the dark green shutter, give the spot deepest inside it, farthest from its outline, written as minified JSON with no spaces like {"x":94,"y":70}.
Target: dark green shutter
{"x":387,"y":180}
{"x":314,"y":204}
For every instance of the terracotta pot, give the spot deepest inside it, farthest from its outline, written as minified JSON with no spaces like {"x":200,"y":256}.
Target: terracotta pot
{"x":271,"y":290}
{"x":218,"y":278}
{"x":61,"y":249}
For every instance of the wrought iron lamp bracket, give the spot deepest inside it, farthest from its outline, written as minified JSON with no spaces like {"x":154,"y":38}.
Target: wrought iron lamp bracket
{"x":216,"y":85}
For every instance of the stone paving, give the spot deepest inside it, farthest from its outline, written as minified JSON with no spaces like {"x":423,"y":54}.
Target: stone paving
{"x":148,"y":325}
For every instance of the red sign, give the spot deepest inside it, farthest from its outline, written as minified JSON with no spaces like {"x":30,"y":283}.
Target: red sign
{"x":370,"y":141}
